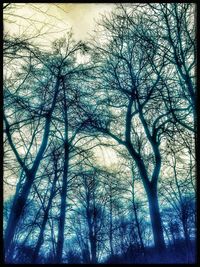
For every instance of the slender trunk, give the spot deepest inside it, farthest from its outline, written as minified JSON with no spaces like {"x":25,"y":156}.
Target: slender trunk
{"x":111,"y":225}
{"x":136,"y":215}
{"x":92,"y":236}
{"x":61,"y":226}
{"x":21,"y":199}
{"x":40,"y":238}
{"x":60,"y":241}
{"x":45,"y":218}
{"x":53,"y":241}
{"x":138,"y":227}
{"x":91,"y":229}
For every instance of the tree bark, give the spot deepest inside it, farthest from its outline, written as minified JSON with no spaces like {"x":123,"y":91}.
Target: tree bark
{"x":156,"y":219}
{"x":61,"y":226}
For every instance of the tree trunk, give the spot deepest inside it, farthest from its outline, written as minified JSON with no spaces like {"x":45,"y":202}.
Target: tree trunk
{"x":93,"y":249}
{"x":151,"y":191}
{"x":61,"y":226}
{"x":92,"y":236}
{"x":40,"y":239}
{"x":20,"y":200}
{"x":185,"y":231}
{"x":111,"y":225}
{"x":135,"y":214}
{"x":45,"y":218}
{"x":186,"y":236}
{"x":15,"y":214}
{"x":156,"y":220}
{"x":138,"y":228}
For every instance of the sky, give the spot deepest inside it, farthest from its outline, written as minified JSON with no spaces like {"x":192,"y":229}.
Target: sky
{"x":53,"y":19}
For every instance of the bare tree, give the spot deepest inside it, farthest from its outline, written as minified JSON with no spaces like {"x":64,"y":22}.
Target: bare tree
{"x":21,"y":197}
{"x":126,"y":73}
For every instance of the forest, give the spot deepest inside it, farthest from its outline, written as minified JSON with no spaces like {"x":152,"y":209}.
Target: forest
{"x":99,"y":141}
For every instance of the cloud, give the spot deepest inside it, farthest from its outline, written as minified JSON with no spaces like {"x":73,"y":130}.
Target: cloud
{"x":56,"y":19}
{"x":81,"y":17}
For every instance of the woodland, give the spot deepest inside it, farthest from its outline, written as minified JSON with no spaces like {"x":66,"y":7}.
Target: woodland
{"x":128,"y":92}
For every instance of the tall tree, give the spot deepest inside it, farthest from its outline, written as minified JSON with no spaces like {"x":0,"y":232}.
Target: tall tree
{"x":30,"y":172}
{"x":126,"y":74}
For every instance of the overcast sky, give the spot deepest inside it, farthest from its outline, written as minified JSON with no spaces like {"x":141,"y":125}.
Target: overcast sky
{"x":53,"y":19}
